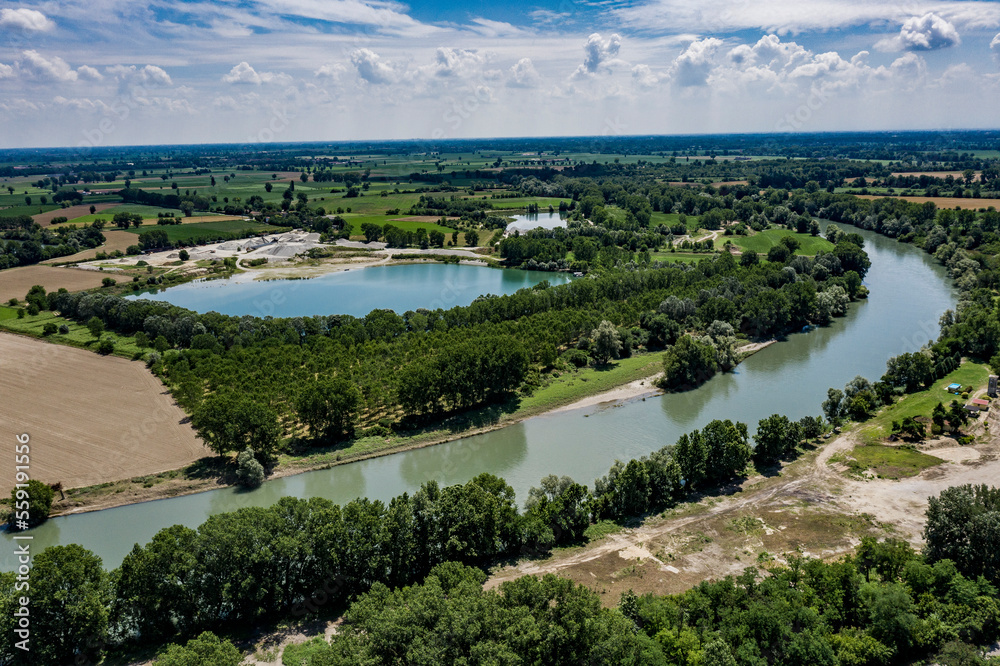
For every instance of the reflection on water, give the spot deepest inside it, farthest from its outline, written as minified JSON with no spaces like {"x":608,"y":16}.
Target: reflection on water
{"x":908,"y":294}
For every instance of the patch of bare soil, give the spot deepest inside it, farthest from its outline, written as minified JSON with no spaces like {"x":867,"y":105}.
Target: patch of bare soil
{"x":92,"y":419}
{"x":15,"y":282}
{"x":811,"y":508}
{"x":45,"y":219}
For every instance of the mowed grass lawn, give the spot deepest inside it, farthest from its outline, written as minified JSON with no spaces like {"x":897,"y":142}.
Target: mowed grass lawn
{"x":922,"y":403}
{"x":763,"y":241}
{"x":199,"y":230}
{"x":686,"y":257}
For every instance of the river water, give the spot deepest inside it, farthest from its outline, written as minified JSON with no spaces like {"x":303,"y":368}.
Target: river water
{"x":909,"y":292}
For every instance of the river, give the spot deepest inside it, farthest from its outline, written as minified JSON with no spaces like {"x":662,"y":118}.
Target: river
{"x":909,"y":292}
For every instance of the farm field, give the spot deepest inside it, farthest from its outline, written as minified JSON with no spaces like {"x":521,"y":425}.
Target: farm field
{"x":763,"y":241}
{"x":101,"y":418}
{"x":73,"y":212}
{"x":207,"y":230}
{"x":945,"y":202}
{"x":15,"y":282}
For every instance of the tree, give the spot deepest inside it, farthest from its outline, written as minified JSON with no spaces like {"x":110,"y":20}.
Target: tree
{"x":249,"y":472}
{"x":93,"y":209}
{"x":31,"y":504}
{"x":95,"y":326}
{"x":371,"y":231}
{"x":833,"y":406}
{"x":775,"y":437}
{"x":183,"y":255}
{"x":607,"y":344}
{"x":688,"y":363}
{"x":957,"y":416}
{"x":749,"y":258}
{"x":963,"y":525}
{"x":472,"y":238}
{"x":329,"y":407}
{"x":229,"y":423}
{"x":939,"y":415}
{"x":205,"y":650}
{"x":69,"y":606}
{"x":437,"y":238}
{"x":911,"y":371}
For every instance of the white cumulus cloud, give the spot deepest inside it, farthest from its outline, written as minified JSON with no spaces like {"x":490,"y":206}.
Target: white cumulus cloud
{"x":995,"y":47}
{"x":371,"y":67}
{"x":692,"y":67}
{"x":243,"y":73}
{"x":33,"y":65}
{"x":929,"y":32}
{"x":523,"y":74}
{"x":597,"y":52}
{"x":25,"y":19}
{"x":148,"y":75}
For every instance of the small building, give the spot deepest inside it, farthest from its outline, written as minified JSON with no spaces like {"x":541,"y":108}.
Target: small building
{"x":983,"y":405}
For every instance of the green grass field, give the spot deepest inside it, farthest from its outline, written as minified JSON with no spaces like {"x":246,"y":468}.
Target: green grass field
{"x":686,"y":257}
{"x":922,"y":403}
{"x":671,"y":219}
{"x":78,"y":336}
{"x":35,"y":209}
{"x":890,"y":462}
{"x":522,"y":202}
{"x":198,"y":230}
{"x":763,"y":241}
{"x":576,"y":384}
{"x":147,"y":212}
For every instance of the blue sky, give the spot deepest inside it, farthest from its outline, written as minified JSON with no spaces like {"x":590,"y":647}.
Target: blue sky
{"x":112,"y":72}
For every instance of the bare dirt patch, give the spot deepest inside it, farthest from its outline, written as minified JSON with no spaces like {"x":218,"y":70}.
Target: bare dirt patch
{"x":943,"y":202}
{"x":92,"y":419}
{"x":813,"y":509}
{"x":45,"y":219}
{"x":15,"y":282}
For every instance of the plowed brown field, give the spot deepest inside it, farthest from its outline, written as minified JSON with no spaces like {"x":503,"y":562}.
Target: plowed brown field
{"x":91,"y":418}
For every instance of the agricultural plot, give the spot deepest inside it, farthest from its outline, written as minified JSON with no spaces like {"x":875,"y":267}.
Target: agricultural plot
{"x":201,"y":231}
{"x":15,"y":282}
{"x":100,"y":418}
{"x":946,"y":202}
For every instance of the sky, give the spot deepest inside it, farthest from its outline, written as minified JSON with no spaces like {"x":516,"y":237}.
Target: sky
{"x":119,"y":72}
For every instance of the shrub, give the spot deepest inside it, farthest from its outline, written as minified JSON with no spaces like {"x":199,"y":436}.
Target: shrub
{"x":12,"y":302}
{"x":20,"y":313}
{"x":577,"y":357}
{"x":39,"y":498}
{"x":49,"y":329}
{"x":249,"y":472}
{"x":152,"y":360}
{"x":33,"y":309}
{"x":105,"y":347}
{"x":64,"y":329}
{"x":183,"y":255}
{"x":133,"y":250}
{"x":109,"y":282}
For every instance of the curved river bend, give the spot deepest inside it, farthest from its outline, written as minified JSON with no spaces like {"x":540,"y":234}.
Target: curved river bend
{"x":909,"y":292}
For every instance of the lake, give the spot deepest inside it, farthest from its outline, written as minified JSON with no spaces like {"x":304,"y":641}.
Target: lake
{"x":354,"y":292}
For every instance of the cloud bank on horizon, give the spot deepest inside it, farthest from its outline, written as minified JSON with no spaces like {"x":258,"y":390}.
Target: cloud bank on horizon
{"x":110,"y":72}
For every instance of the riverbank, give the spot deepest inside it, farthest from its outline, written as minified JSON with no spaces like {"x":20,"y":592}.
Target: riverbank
{"x":561,"y":394}
{"x":624,"y":381}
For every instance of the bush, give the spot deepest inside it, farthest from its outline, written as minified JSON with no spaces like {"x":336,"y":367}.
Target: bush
{"x":64,"y":329}
{"x":49,"y":329}
{"x":12,"y":302}
{"x":105,"y":347}
{"x":33,"y":310}
{"x":577,"y":357}
{"x":183,"y":255}
{"x":133,"y":250}
{"x":20,"y":313}
{"x":152,"y":360}
{"x":249,"y":472}
{"x":31,"y":504}
{"x":109,"y":282}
